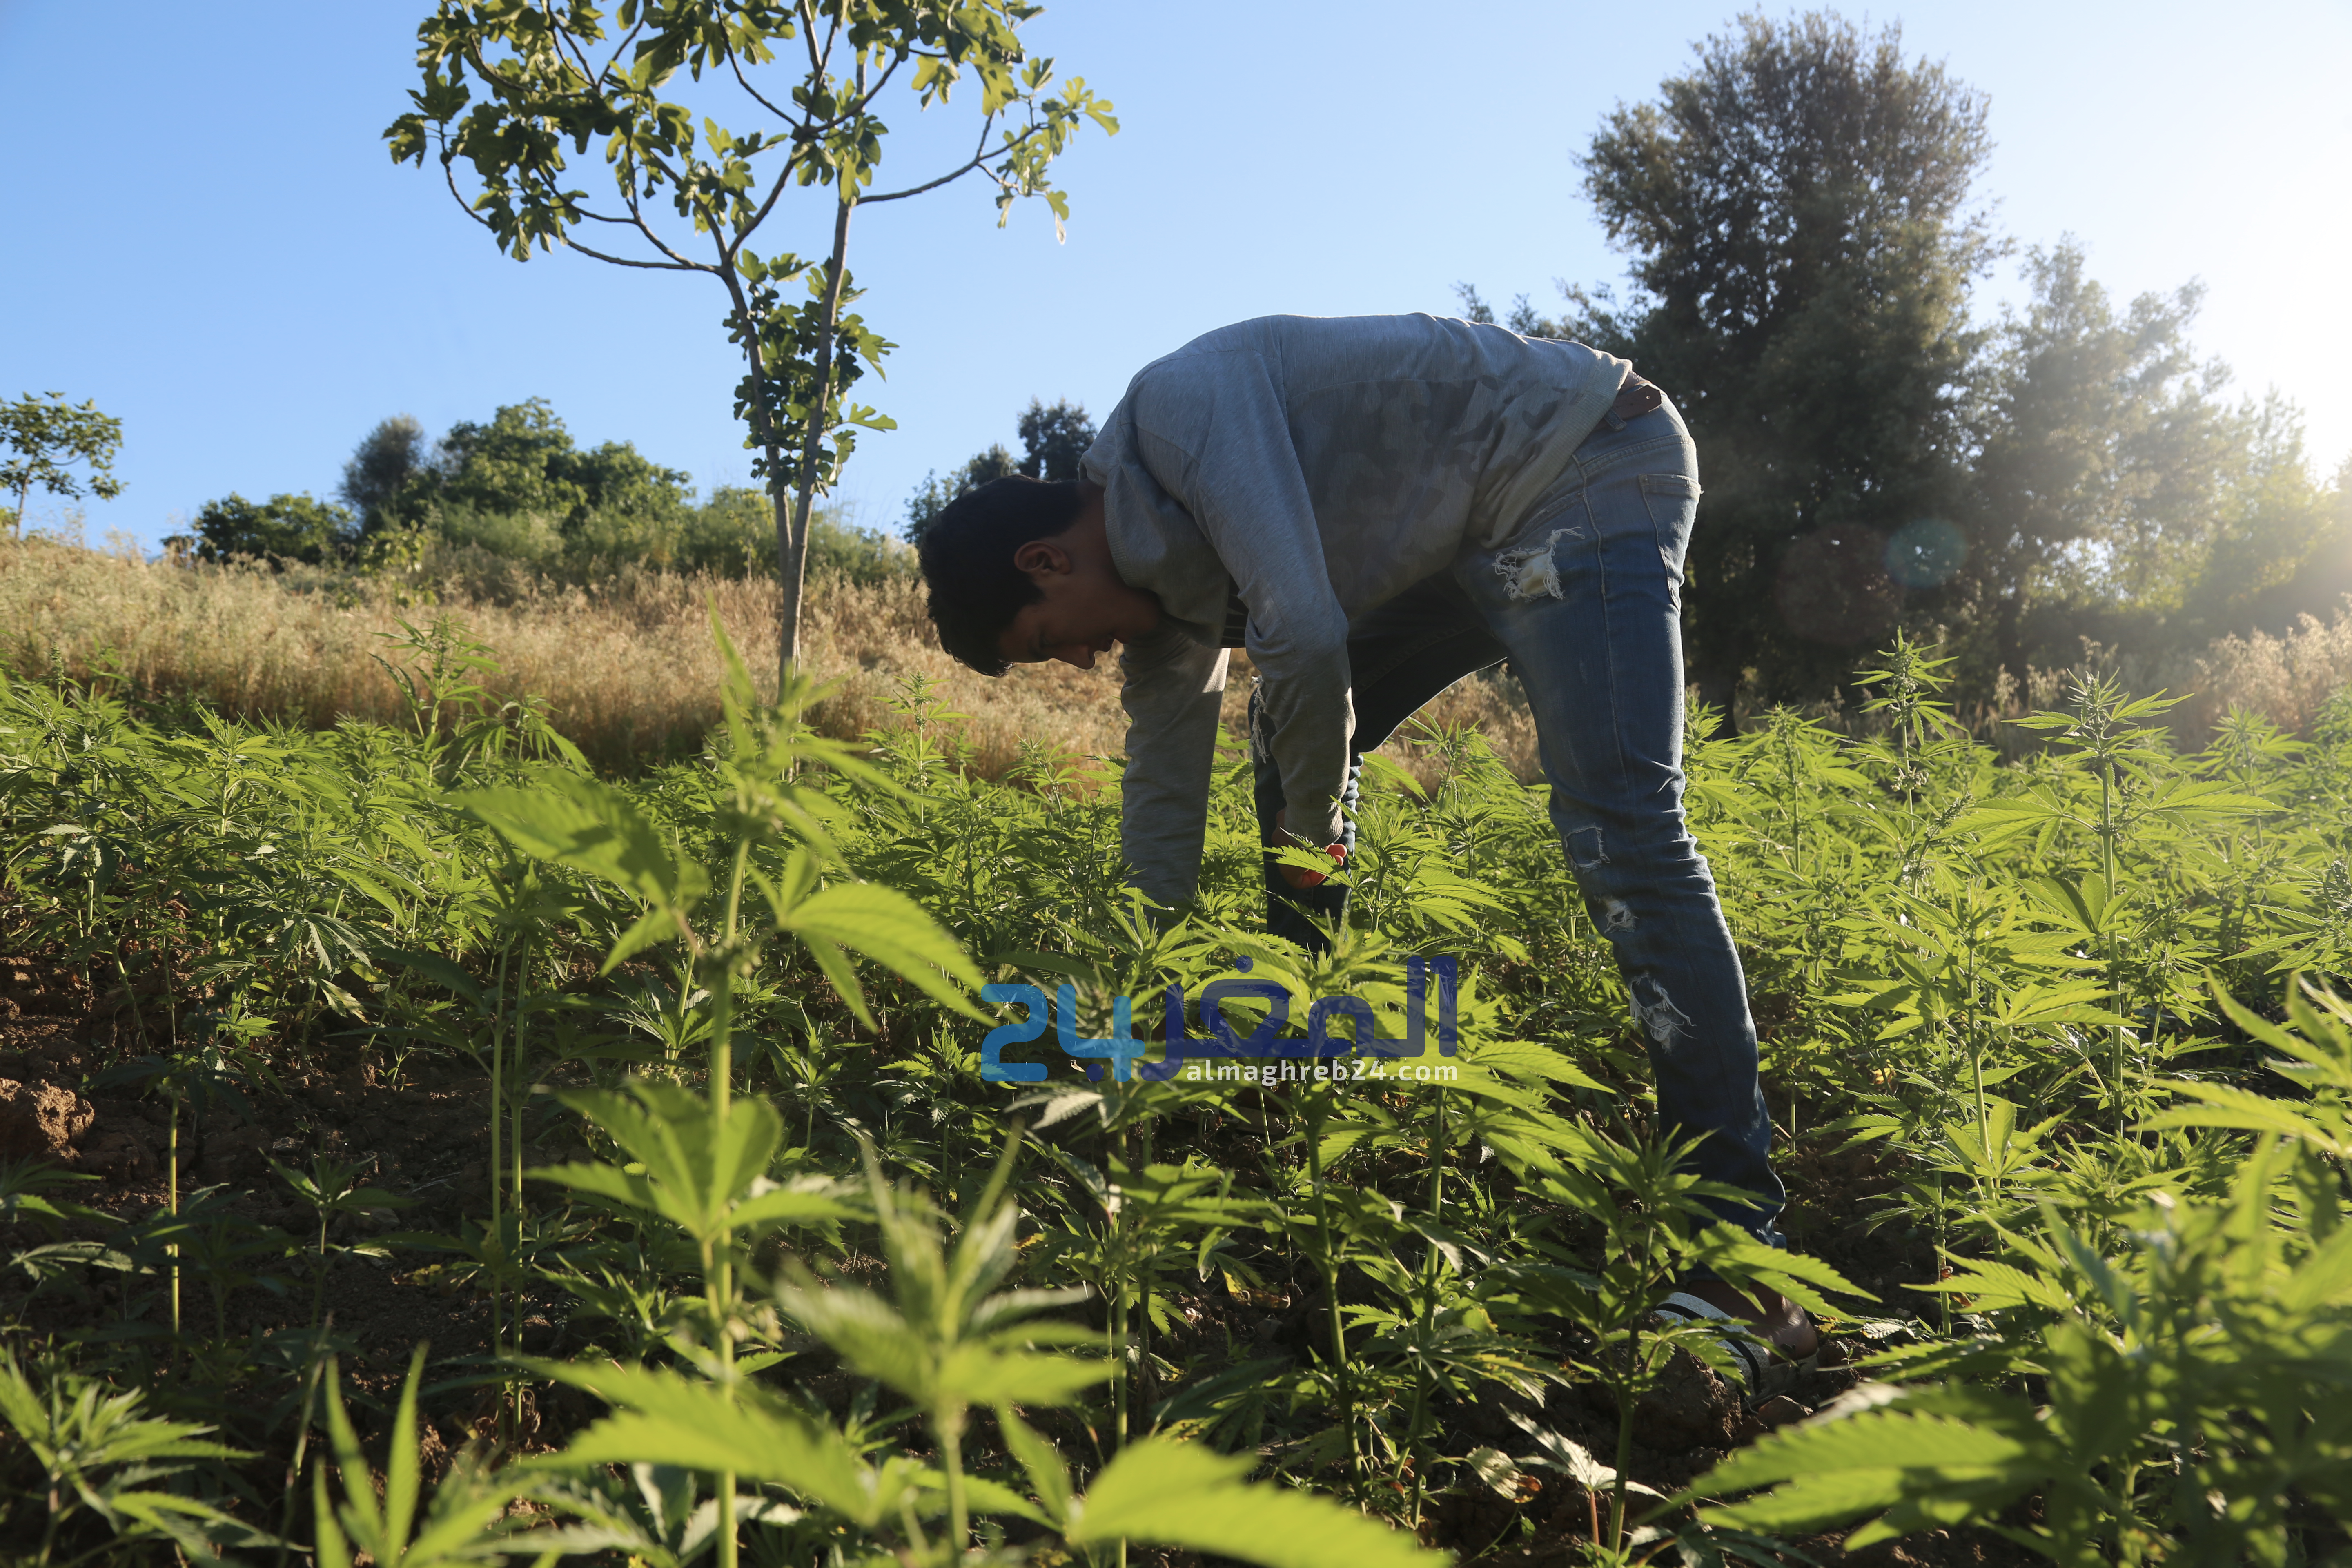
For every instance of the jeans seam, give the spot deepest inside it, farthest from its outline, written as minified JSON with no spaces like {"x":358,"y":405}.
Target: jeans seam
{"x":1673,"y":569}
{"x":1609,"y":641}
{"x":1586,"y":471}
{"x":1616,"y":457}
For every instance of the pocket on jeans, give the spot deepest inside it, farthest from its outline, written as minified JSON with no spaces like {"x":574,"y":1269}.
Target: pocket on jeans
{"x":1673,"y":501}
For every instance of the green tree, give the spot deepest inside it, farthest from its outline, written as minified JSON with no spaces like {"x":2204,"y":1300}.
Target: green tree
{"x":44,"y":438}
{"x":734,"y":533}
{"x":1524,"y":319}
{"x":2116,"y":491}
{"x":283,"y":528}
{"x":815,"y":79}
{"x":524,"y":460}
{"x":924,"y":508}
{"x":2324,"y":575}
{"x":2273,"y":520}
{"x":1053,"y":439}
{"x":520,"y":486}
{"x":2100,"y":435}
{"x":385,"y":464}
{"x":1796,"y":210}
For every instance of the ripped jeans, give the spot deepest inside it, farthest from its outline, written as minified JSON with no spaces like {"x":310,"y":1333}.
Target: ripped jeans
{"x":1584,"y":600}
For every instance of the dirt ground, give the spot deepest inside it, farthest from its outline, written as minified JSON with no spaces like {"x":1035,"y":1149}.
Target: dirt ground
{"x":426,"y":1139}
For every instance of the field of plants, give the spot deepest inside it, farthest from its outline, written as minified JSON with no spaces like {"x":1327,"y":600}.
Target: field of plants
{"x":423,"y":1149}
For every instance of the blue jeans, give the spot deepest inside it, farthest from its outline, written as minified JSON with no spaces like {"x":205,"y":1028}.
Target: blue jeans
{"x":1585,"y":600}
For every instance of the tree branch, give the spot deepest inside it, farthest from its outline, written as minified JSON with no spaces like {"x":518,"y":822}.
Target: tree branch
{"x":637,"y":220}
{"x":808,"y":39}
{"x":757,"y":96}
{"x":979,"y":156}
{"x":449,"y":174}
{"x":646,"y":266}
{"x":775,"y":192}
{"x":620,"y":46}
{"x":623,"y":42}
{"x":562,"y":37}
{"x":805,"y":132}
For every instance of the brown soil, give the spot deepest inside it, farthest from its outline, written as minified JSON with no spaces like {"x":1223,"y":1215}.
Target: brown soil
{"x":427,"y":1138}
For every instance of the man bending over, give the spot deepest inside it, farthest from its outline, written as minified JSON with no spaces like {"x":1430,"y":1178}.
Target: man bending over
{"x":1376,"y":507}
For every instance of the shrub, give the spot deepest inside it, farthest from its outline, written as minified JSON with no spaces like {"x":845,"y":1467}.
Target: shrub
{"x":283,"y":529}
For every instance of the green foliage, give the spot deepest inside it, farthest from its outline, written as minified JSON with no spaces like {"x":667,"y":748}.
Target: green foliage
{"x":22,"y":1182}
{"x":2116,"y":491}
{"x":332,"y":1187}
{"x":2102,"y":1221}
{"x":2183,"y":1343}
{"x":520,"y":490}
{"x":924,"y":508}
{"x":653,"y":1512}
{"x":1798,"y":214}
{"x":1797,"y":208}
{"x":524,"y":460}
{"x":458,"y":1525}
{"x":1172,"y":1494}
{"x":703,"y":1174}
{"x":505,"y":89}
{"x":945,"y":1339}
{"x":96,"y":1453}
{"x":283,"y":528}
{"x":520,"y":486}
{"x":43,"y":438}
{"x":381,"y":468}
{"x":735,"y":533}
{"x":1053,"y":440}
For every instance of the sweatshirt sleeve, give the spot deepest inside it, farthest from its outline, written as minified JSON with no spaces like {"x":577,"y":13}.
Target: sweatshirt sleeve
{"x":1218,"y":419}
{"x":1171,"y":690}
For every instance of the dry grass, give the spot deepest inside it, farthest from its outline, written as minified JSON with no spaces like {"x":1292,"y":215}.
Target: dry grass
{"x":630,"y":672}
{"x":627,"y":667}
{"x":2287,"y":680}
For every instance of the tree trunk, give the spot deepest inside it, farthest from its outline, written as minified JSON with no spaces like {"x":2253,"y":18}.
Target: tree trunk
{"x":1719,"y":688}
{"x":1715,"y":672}
{"x":793,"y":528}
{"x":2009,"y":635}
{"x":792,"y":567}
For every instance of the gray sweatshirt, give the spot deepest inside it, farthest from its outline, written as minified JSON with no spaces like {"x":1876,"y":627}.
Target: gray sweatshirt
{"x":1299,"y":470}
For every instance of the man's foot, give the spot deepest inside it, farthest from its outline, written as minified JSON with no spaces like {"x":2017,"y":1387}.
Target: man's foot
{"x":1782,"y":1323}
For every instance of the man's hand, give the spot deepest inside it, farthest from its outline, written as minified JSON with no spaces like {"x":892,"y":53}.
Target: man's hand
{"x":1298,"y":876}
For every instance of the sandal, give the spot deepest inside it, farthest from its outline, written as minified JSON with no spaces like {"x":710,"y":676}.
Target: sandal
{"x":1766,"y":1371}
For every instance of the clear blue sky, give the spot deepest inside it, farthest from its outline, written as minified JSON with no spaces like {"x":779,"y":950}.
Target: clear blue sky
{"x":204,"y":232}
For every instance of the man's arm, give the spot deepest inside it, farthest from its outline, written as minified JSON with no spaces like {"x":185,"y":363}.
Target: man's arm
{"x":1172,"y":689}
{"x":1214,"y":426}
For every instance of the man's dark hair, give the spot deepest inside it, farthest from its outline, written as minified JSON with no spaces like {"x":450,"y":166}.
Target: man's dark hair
{"x":967,"y":556}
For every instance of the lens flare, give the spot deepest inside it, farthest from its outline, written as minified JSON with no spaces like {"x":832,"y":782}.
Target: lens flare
{"x":1832,"y":587}
{"x":1926,"y":552}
